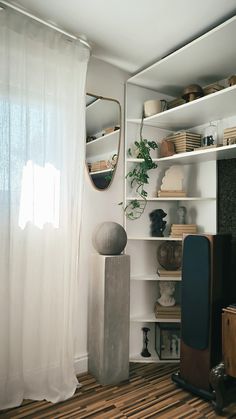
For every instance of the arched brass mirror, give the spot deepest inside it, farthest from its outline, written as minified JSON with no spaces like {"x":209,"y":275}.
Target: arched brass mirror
{"x":103,"y":120}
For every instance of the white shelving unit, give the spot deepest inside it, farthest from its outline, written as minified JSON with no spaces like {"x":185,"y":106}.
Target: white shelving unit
{"x":198,"y":62}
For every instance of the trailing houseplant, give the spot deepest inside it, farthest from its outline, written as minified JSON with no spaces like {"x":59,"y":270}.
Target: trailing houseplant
{"x":139,"y":176}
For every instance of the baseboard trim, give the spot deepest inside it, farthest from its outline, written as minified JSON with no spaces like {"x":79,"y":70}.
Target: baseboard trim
{"x":81,"y":364}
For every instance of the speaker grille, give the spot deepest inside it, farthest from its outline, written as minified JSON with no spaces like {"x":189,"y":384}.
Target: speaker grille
{"x":195,"y":291}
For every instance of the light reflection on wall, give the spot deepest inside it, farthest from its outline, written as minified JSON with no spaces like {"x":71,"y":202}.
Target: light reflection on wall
{"x":40,"y":195}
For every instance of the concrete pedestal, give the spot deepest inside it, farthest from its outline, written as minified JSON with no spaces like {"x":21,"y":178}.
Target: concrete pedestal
{"x":108,"y":334}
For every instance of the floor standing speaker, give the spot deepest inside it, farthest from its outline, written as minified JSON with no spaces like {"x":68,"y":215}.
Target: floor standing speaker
{"x":205,"y":291}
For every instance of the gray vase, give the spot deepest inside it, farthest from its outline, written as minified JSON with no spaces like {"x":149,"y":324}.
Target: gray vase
{"x":109,"y":238}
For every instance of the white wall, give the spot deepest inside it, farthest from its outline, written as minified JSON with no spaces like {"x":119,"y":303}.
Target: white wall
{"x":98,"y":206}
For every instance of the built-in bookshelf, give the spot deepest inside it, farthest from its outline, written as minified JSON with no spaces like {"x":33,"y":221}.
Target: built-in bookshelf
{"x":166,"y":79}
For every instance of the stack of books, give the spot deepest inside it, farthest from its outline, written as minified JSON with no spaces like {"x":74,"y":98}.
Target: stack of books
{"x":164,"y":273}
{"x":177,"y":230}
{"x":185,"y":141}
{"x":230,"y":309}
{"x":229,"y":136}
{"x":108,"y":130}
{"x":99,"y":165}
{"x":170,"y":193}
{"x":175,"y":102}
{"x":169,"y":312}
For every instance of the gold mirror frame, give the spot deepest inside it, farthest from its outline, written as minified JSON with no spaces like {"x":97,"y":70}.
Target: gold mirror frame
{"x":111,"y":160}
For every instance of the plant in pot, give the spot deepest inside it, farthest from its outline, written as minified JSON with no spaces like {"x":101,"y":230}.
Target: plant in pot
{"x":139,"y":176}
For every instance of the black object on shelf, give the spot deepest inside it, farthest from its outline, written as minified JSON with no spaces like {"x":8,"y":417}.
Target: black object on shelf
{"x":145,"y":352}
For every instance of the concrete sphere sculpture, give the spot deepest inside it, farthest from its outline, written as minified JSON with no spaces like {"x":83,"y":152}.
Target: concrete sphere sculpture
{"x":109,"y":238}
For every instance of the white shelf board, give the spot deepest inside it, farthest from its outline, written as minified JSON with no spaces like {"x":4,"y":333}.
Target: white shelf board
{"x":213,"y":107}
{"x":135,"y":160}
{"x":90,"y":100}
{"x":138,"y":121}
{"x":197,"y":62}
{"x":154,"y":238}
{"x":153,"y":358}
{"x":106,"y":144}
{"x":179,"y":198}
{"x":150,"y":317}
{"x":198,"y":156}
{"x":100,"y":172}
{"x":154,"y":278}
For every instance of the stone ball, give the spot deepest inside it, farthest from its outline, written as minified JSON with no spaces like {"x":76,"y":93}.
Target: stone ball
{"x":109,"y":238}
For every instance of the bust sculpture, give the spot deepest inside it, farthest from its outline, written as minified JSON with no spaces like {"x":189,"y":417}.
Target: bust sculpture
{"x":181,"y":215}
{"x":167,"y":289}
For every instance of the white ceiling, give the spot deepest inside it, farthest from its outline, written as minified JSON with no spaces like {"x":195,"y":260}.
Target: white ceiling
{"x":131,"y":34}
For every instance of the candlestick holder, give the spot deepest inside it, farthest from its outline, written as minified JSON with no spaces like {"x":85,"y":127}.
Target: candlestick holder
{"x":145,"y":352}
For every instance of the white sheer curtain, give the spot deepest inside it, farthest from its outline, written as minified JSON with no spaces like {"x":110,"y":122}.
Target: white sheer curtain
{"x":42,"y":122}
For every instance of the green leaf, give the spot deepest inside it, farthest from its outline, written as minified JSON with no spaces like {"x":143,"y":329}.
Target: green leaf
{"x":135,"y":204}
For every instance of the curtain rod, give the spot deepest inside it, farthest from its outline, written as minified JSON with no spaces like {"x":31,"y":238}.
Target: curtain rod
{"x":4,"y":3}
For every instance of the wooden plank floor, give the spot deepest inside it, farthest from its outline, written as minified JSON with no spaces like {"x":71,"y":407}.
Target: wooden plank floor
{"x":149,"y":393}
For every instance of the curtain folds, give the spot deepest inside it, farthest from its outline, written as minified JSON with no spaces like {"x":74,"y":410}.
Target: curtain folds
{"x":42,"y":150}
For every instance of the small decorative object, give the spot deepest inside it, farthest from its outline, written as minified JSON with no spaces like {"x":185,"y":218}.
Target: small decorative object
{"x":232,"y":80}
{"x":167,"y":148}
{"x":229,"y":136}
{"x":210,"y":135}
{"x":145,"y":352}
{"x":169,"y":255}
{"x":90,"y":138}
{"x":112,"y":165}
{"x":109,"y":238}
{"x":167,"y":289}
{"x":152,"y":107}
{"x":113,"y":161}
{"x":158,"y":225}
{"x":192,"y":92}
{"x":181,"y":211}
{"x":167,"y":340}
{"x":173,"y":179}
{"x":172,"y":183}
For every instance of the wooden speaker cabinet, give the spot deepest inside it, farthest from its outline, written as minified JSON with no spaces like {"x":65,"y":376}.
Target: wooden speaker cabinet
{"x":229,"y":341}
{"x":205,"y":291}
